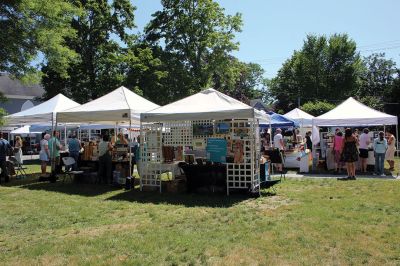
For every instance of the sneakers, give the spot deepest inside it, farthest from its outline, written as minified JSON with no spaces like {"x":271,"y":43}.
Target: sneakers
{"x":383,"y":175}
{"x":374,"y":174}
{"x":343,"y":178}
{"x":352,"y":178}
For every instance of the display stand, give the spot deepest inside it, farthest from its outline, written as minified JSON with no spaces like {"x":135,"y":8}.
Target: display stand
{"x":241,"y":139}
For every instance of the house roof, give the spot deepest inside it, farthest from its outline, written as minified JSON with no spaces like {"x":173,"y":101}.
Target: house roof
{"x":14,"y":88}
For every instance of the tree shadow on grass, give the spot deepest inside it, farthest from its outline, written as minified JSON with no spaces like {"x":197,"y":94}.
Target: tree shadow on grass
{"x":204,"y":199}
{"x":88,"y":190}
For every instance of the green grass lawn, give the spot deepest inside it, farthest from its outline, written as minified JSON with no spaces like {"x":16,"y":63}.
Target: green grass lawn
{"x":308,"y":221}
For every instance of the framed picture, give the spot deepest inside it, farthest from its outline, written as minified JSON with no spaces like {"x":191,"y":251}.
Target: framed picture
{"x":203,"y":130}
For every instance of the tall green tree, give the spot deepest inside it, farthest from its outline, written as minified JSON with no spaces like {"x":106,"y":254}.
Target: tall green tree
{"x":325,"y":68}
{"x":377,"y":80}
{"x":99,"y":68}
{"x":197,"y":37}
{"x":33,"y":27}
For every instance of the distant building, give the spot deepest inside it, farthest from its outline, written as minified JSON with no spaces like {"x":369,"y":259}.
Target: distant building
{"x":20,"y":96}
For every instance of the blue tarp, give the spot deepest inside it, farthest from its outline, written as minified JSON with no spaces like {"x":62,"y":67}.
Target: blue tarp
{"x":278,"y":120}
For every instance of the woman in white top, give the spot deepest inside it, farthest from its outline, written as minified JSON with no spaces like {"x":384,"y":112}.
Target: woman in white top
{"x":363,"y":148}
{"x":18,"y":149}
{"x":391,"y":140}
{"x":44,"y":153}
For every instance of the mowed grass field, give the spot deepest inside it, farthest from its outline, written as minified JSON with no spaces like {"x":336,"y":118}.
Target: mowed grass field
{"x":308,"y":221}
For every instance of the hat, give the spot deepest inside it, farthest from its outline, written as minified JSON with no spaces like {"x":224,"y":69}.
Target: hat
{"x":47,"y":137}
{"x":278,"y":130}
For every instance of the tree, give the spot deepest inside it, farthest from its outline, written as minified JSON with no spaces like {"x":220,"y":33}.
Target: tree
{"x":325,"y":68}
{"x":99,"y":68}
{"x":33,"y":27}
{"x":197,"y":37}
{"x":317,"y":108}
{"x":377,"y":80}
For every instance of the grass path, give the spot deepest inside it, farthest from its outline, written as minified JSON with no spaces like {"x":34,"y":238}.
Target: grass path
{"x":307,"y":222}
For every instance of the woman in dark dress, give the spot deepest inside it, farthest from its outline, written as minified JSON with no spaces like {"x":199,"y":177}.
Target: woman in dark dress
{"x":350,"y":153}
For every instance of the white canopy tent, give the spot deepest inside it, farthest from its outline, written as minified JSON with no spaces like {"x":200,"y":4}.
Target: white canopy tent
{"x":24,"y":131}
{"x":177,"y":121}
{"x":353,"y":113}
{"x":301,"y":117}
{"x":119,"y":106}
{"x":207,"y":104}
{"x":42,"y":113}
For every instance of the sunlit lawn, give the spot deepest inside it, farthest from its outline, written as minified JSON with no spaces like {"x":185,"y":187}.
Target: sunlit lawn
{"x":309,"y":221}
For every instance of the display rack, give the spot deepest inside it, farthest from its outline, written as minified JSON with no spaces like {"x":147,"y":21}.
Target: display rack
{"x":241,"y":174}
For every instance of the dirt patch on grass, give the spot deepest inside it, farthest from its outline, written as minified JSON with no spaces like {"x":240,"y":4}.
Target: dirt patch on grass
{"x":99,"y":230}
{"x":268,"y":203}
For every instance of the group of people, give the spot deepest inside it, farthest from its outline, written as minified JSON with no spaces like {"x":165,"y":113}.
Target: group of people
{"x":351,"y":147}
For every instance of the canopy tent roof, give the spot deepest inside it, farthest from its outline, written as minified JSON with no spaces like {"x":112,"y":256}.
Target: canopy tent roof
{"x":205,"y":105}
{"x":42,"y":113}
{"x":24,"y":130}
{"x":304,"y":119}
{"x":278,"y":120}
{"x":119,"y":106}
{"x":353,"y":113}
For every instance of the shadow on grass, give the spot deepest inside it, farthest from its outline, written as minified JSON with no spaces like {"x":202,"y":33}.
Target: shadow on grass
{"x":213,"y":200}
{"x":88,"y":190}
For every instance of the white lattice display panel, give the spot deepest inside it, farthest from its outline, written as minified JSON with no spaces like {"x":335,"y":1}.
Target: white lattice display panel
{"x":151,"y":155}
{"x":243,"y":175}
{"x":178,"y":133}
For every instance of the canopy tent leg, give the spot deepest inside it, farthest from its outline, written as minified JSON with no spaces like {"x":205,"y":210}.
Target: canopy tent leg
{"x":65,"y":135}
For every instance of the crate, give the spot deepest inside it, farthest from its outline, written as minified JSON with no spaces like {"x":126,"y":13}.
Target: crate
{"x":176,"y":186}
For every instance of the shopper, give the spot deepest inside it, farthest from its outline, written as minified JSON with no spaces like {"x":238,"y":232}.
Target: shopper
{"x":337,"y":151}
{"x":105,"y":162}
{"x":54,"y":149}
{"x":18,"y":149}
{"x":44,"y":154}
{"x":350,"y":154}
{"x":74,"y":146}
{"x":364,"y":142}
{"x":121,"y":139}
{"x":380,"y":147}
{"x":308,"y":140}
{"x":279,"y":144}
{"x":5,"y":149}
{"x":391,"y":140}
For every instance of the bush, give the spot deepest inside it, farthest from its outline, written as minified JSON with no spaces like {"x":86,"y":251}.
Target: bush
{"x":317,"y":108}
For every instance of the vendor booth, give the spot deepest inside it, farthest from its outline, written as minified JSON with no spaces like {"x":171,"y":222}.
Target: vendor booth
{"x":215,"y":135}
{"x":350,"y":113}
{"x":121,"y":107}
{"x":43,"y":113}
{"x":302,"y":118}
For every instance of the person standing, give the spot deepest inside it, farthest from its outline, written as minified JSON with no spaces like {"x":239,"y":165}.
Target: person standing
{"x":105,"y":162}
{"x":337,"y":150}
{"x":364,"y":142}
{"x":54,"y":149}
{"x":44,"y":154}
{"x":350,"y":154}
{"x":5,"y":149}
{"x":380,"y":147}
{"x":279,"y":144}
{"x":74,"y":146}
{"x":18,"y":149}
{"x":391,"y":140}
{"x":308,"y":140}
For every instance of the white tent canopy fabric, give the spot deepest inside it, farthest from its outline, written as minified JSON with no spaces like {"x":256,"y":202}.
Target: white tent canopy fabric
{"x":24,"y":130}
{"x":353,"y":113}
{"x":42,"y":113}
{"x":119,"y":106}
{"x":205,"y":105}
{"x":304,"y":119}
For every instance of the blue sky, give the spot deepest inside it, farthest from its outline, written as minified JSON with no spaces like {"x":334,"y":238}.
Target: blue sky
{"x":272,"y":30}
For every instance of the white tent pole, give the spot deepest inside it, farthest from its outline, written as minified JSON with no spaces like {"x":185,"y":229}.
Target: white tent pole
{"x":270,"y":133}
{"x":65,"y":135}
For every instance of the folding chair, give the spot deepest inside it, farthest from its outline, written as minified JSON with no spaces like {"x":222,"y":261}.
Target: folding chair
{"x":68,"y":172}
{"x":19,"y":168}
